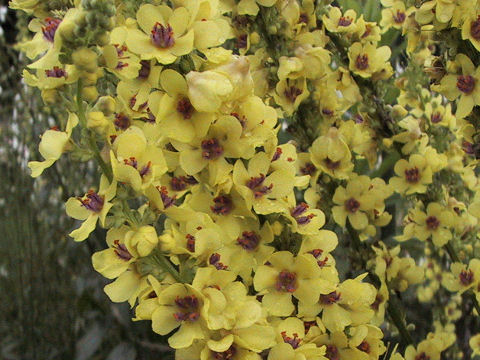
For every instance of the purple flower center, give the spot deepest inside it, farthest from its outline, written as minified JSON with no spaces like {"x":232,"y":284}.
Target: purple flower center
{"x":56,"y":72}
{"x":180,"y":183}
{"x":352,"y":205}
{"x":215,"y":261}
{"x":185,"y":107}
{"x":286,"y":282}
{"x":294,"y":341}
{"x":278,"y":153}
{"x":432,"y":222}
{"x":329,"y":299}
{"x":412,"y":175}
{"x":466,"y":277}
{"x":162,"y":36}
{"x":167,"y":200}
{"x":144,"y":72}
{"x":50,"y":28}
{"x":121,"y":251}
{"x":223,"y":205}
{"x":225,"y":355}
{"x":93,"y":201}
{"x":256,"y":185}
{"x":466,"y":84}
{"x":188,"y":308}
{"x":249,"y":240}
{"x":211,"y":149}
{"x":190,"y":243}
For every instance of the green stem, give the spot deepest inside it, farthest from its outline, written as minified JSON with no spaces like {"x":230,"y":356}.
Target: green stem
{"x":128,"y":214}
{"x":393,"y":308}
{"x":394,"y":313}
{"x":451,"y":252}
{"x":91,"y":139}
{"x":166,"y":265}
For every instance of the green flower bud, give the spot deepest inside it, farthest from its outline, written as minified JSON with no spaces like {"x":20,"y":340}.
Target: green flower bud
{"x":90,"y":93}
{"x":106,"y":104}
{"x":85,"y":59}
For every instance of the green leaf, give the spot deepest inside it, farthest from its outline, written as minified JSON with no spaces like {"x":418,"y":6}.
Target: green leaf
{"x":372,"y":10}
{"x":351,"y":4}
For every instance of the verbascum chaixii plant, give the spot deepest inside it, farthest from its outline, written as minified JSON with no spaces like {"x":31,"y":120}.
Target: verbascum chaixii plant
{"x":281,"y":179}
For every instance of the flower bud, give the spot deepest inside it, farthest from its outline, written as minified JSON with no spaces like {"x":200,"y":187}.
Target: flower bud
{"x":102,"y":39}
{"x":90,"y":93}
{"x":106,"y":104}
{"x":85,"y":59}
{"x":50,"y":96}
{"x":144,"y":240}
{"x":254,"y":38}
{"x":97,"y":120}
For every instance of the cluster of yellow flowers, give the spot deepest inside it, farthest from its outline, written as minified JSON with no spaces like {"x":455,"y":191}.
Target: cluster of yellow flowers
{"x":239,"y":141}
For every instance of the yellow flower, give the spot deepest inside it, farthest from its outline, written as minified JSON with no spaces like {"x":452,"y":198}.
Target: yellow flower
{"x":464,"y":85}
{"x":121,"y":61}
{"x":286,"y":276}
{"x":320,"y":247}
{"x":226,"y":304}
{"x":365,"y":342}
{"x":439,"y":115}
{"x":285,"y":351}
{"x":250,"y":7}
{"x":192,"y":233}
{"x":440,"y":10}
{"x":394,"y":16}
{"x":116,"y":259}
{"x":141,"y":241}
{"x":336,"y":22}
{"x":315,"y":60}
{"x":164,"y":35}
{"x":474,"y":343}
{"x":53,"y":78}
{"x":92,"y":207}
{"x":304,"y":220}
{"x":128,"y":286}
{"x":177,"y":117}
{"x":427,"y":349}
{"x":227,"y":210}
{"x":180,"y":305}
{"x":413,"y":175}
{"x":247,"y":249}
{"x":117,"y":262}
{"x":135,"y":161}
{"x":210,"y":27}
{"x":434,"y":223}
{"x":227,"y":79}
{"x":399,"y":272}
{"x":289,"y":93}
{"x":367,"y":60}
{"x":471,"y":30}
{"x":461,"y":278}
{"x":368,"y":30}
{"x":148,"y":78}
{"x":52,"y":146}
{"x":262,"y":189}
{"x":354,"y":201}
{"x":228,"y":347}
{"x":331,"y":154}
{"x":348,"y":304}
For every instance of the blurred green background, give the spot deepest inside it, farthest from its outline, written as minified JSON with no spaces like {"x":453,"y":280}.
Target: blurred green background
{"x":52,"y":304}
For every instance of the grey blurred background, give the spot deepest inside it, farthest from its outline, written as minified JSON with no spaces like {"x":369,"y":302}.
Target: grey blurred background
{"x":52,"y":305}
